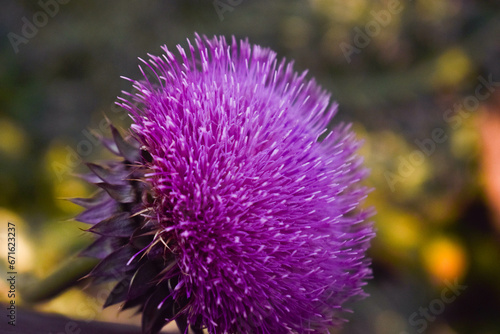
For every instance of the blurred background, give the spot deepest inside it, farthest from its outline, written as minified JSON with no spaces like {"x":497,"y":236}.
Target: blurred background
{"x":419,"y":79}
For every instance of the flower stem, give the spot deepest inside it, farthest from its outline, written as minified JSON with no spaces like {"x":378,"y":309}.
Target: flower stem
{"x":67,"y":275}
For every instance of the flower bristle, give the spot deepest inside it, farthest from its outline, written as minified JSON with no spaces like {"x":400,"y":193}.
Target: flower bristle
{"x":226,"y":211}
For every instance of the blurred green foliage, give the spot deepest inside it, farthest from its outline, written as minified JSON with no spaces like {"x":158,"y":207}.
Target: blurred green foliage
{"x":399,"y":69}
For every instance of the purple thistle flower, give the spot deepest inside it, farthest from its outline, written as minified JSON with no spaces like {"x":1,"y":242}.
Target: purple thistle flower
{"x":233,"y":215}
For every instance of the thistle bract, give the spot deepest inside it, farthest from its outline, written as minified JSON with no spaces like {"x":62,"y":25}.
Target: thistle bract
{"x":226,"y":211}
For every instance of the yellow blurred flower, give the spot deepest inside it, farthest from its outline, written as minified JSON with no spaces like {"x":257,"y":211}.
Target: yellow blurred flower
{"x":68,"y":188}
{"x":60,"y":164}
{"x":444,"y":258}
{"x":341,"y":11}
{"x":13,"y":139}
{"x":397,"y":167}
{"x":398,"y":230}
{"x":23,"y":254}
{"x":452,"y":68}
{"x":465,"y":139}
{"x":24,"y":250}
{"x":431,"y":10}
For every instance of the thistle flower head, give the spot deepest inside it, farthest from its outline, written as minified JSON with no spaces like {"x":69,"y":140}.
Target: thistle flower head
{"x":227,"y":211}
